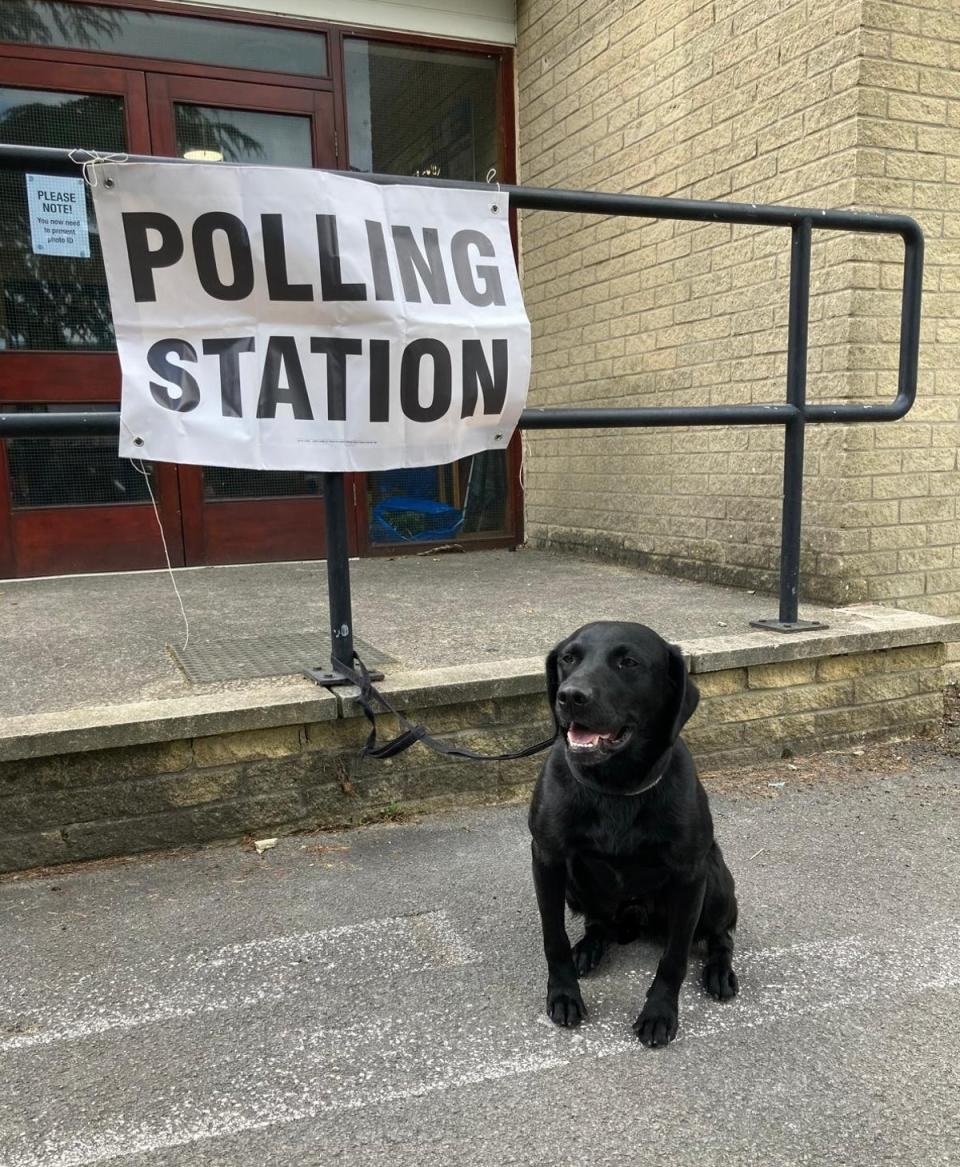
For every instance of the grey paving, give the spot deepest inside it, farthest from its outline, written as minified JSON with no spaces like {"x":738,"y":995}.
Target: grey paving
{"x":84,"y":641}
{"x":375,"y":998}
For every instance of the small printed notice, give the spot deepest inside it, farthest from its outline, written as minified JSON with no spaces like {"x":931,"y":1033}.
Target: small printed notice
{"x":58,"y":216}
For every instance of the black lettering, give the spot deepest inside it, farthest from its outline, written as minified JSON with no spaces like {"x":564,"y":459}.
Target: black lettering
{"x":189,"y":389}
{"x":492,"y":290}
{"x":337,"y":350}
{"x":228,"y":349}
{"x":476,"y":371}
{"x":275,"y":263}
{"x":241,"y":257}
{"x":379,"y":380}
{"x":144,"y":261}
{"x":382,"y":283}
{"x":332,"y":286}
{"x":413,"y":354}
{"x":412,"y":262}
{"x":282,"y":356}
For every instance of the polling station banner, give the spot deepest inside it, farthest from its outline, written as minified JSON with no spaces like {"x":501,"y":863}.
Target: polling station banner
{"x":300,"y":320}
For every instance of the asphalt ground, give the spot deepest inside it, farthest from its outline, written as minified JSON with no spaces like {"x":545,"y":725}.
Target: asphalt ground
{"x":376,"y":997}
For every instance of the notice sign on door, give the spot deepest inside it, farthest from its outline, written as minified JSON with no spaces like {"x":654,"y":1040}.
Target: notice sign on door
{"x":58,"y":216}
{"x":299,"y":320}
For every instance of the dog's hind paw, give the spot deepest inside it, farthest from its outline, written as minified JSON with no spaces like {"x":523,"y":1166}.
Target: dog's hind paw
{"x":588,"y":952}
{"x":565,"y":1007}
{"x":720,"y":980}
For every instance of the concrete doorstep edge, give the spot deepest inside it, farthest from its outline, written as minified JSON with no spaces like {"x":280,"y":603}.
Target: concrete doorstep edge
{"x":868,"y":628}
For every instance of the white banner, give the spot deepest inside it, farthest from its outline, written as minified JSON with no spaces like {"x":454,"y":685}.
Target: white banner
{"x":299,"y":320}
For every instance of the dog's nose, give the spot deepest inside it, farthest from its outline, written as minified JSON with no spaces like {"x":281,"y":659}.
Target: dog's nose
{"x":572,"y":697}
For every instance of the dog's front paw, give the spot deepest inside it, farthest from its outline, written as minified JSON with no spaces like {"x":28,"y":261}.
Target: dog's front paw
{"x":720,"y":980}
{"x":657,"y":1023}
{"x":565,"y":1005}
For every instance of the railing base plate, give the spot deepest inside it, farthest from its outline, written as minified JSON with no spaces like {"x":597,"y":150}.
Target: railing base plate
{"x":772,"y":625}
{"x":328,"y":678}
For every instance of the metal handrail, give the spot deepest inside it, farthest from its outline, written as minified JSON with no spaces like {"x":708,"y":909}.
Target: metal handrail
{"x":793,"y":414}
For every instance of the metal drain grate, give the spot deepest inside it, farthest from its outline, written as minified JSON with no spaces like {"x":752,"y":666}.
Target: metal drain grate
{"x":264,"y":656}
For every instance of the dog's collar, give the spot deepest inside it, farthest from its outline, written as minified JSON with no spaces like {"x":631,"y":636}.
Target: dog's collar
{"x":659,"y":768}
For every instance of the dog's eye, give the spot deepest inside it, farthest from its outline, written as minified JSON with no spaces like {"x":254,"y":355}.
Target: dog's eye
{"x":568,"y":659}
{"x":627,"y":662}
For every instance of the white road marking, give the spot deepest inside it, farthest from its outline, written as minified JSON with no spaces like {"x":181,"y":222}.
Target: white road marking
{"x":306,"y":1074}
{"x":220,"y":979}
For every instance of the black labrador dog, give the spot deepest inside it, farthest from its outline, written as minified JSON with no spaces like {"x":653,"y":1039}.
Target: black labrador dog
{"x":621,"y":824}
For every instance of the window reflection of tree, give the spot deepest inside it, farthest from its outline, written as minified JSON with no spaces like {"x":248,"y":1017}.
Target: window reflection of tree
{"x":207,"y":129}
{"x":26,"y":20}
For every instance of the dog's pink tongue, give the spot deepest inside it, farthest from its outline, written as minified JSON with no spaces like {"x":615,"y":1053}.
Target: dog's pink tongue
{"x":579,"y":736}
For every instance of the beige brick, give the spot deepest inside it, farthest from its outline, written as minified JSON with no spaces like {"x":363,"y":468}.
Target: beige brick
{"x":249,"y":745}
{"x":917,"y":656}
{"x":781,"y":674}
{"x":770,"y":703}
{"x":701,"y":738}
{"x":833,"y":668}
{"x":885,"y":687}
{"x":721,"y":683}
{"x":895,"y":587}
{"x":775,"y":731}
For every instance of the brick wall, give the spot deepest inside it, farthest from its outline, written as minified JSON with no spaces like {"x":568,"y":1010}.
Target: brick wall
{"x":909,"y":158}
{"x":85,"y":805}
{"x":759,"y":101}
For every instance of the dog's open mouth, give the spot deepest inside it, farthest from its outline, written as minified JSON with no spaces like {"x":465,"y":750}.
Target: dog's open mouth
{"x":584,"y":741}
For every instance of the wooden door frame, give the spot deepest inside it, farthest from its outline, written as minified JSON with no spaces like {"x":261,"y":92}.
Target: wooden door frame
{"x":164,"y":89}
{"x":27,"y":376}
{"x":70,"y":377}
{"x":108,"y":375}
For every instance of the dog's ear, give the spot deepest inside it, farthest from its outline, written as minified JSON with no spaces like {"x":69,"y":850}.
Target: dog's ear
{"x":553,"y":683}
{"x":686,"y":693}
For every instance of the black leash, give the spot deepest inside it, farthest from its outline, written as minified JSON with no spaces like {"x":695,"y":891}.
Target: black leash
{"x":412,"y":733}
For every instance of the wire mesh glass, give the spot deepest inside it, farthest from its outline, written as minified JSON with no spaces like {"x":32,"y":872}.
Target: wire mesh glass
{"x":427,"y":112}
{"x":440,"y":503}
{"x":242,"y":135}
{"x":222,"y":483}
{"x":80,"y":471}
{"x":53,"y":302}
{"x":127,"y":32}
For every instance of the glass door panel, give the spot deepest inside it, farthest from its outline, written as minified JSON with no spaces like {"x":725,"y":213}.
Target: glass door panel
{"x":446,"y":126}
{"x":53,"y":302}
{"x":67,"y":504}
{"x":233,"y":515}
{"x":195,"y":37}
{"x":207,"y":134}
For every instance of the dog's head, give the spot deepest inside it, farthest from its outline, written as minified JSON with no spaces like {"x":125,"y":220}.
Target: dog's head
{"x":618,"y":691}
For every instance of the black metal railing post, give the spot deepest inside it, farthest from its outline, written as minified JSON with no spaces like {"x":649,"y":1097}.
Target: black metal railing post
{"x":794,"y":432}
{"x":338,"y":585}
